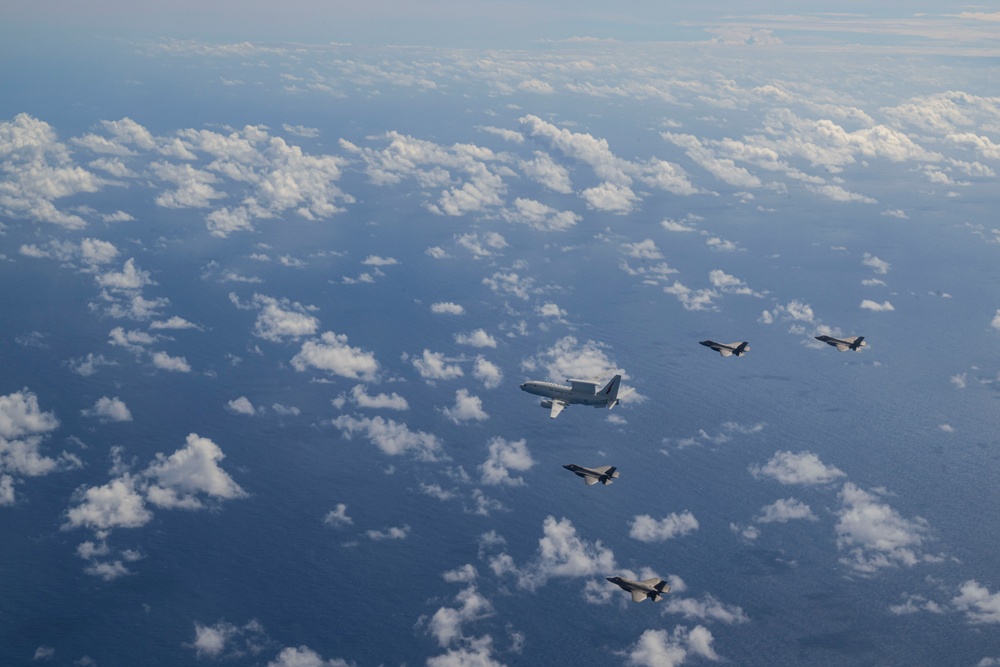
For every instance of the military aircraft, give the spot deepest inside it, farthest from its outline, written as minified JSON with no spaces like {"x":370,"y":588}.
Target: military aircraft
{"x":738,"y":349}
{"x":843,"y":344}
{"x":579,"y":392}
{"x":653,"y":589}
{"x":605,"y":475}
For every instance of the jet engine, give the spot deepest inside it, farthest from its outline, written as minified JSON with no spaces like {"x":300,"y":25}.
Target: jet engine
{"x":547,"y":404}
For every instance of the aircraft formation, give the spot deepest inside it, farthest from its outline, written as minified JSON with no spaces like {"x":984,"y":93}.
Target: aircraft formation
{"x":556,"y":397}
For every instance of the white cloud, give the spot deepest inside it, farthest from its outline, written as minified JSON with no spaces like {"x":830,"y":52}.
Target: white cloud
{"x":618,"y":199}
{"x":477,"y":338}
{"x":279,"y":319}
{"x":177,"y":480}
{"x":165,"y":362}
{"x":38,"y":171}
{"x":446,"y":623}
{"x":241,"y":406}
{"x":109,"y":410}
{"x":647,"y":529}
{"x":338,"y":517}
{"x":880,"y":266}
{"x":512,"y":283}
{"x":332,"y":354}
{"x":802,"y":468}
{"x":21,"y":416}
{"x":487,"y":372}
{"x":539,"y":216}
{"x":785,"y":510}
{"x":449,"y":308}
{"x":383,"y":401}
{"x":130,"y":277}
{"x":995,"y":323}
{"x":225,"y":640}
{"x":391,"y":533}
{"x":174,"y":322}
{"x":567,"y":358}
{"x":434,"y":366}
{"x":645,"y":249}
{"x":393,"y":438}
{"x":659,"y":648}
{"x":548,"y":172}
{"x":708,"y":608}
{"x":561,"y":553}
{"x":467,"y":407}
{"x":503,"y":457}
{"x":303,"y":656}
{"x":875,"y":536}
{"x":883,"y":307}
{"x":980,"y":606}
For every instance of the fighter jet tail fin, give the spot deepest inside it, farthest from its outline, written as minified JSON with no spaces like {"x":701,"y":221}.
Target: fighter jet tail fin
{"x":741,"y":349}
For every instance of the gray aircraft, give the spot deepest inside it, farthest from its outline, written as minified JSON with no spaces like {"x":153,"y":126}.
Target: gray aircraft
{"x":737,"y":349}
{"x":653,"y":589}
{"x":605,"y":475}
{"x":844,"y":344}
{"x":579,"y":392}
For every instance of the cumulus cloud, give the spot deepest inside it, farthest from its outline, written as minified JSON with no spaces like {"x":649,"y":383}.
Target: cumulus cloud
{"x":539,"y":216}
{"x":24,"y":426}
{"x":568,"y":358}
{"x":109,"y":410}
{"x":785,"y":510}
{"x":467,"y":408}
{"x":477,"y":338}
{"x":647,"y":529}
{"x":802,"y":468}
{"x":875,"y":536}
{"x":561,"y":553}
{"x":332,"y":354}
{"x":434,"y":366}
{"x":279,"y":319}
{"x":181,"y":480}
{"x":303,"y":656}
{"x":224,"y":640}
{"x":503,"y":457}
{"x":449,"y":308}
{"x":879,"y":266}
{"x":487,"y":372}
{"x":393,"y":438}
{"x":241,"y":406}
{"x":660,"y":648}
{"x":165,"y":362}
{"x":610,"y":197}
{"x":383,"y":401}
{"x":38,"y":171}
{"x":338,"y":517}
{"x":980,"y":606}
{"x":877,"y":307}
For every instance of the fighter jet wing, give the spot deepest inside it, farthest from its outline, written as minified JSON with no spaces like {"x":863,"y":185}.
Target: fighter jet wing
{"x":590,"y":480}
{"x":725,"y":351}
{"x":557,"y":407}
{"x":843,"y":347}
{"x":638,"y":595}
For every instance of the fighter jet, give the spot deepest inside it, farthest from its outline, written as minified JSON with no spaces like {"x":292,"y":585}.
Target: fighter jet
{"x":843,"y":344}
{"x":738,"y":349}
{"x":605,"y":475}
{"x":653,"y":589}
{"x":580,"y":392}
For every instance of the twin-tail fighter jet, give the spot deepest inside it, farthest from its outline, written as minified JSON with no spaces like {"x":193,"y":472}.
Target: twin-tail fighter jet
{"x":579,"y":392}
{"x":653,"y":589}
{"x":844,"y":344}
{"x":732,"y":349}
{"x":605,"y":475}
